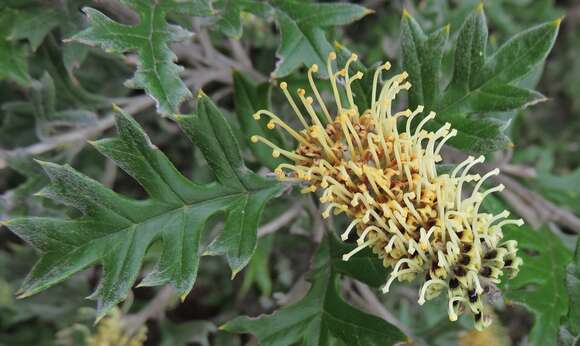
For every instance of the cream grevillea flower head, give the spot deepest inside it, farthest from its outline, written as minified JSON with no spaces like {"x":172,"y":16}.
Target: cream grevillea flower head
{"x":374,"y":167}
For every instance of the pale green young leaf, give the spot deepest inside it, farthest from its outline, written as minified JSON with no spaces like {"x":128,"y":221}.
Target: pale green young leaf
{"x":116,"y":231}
{"x":321,"y":316}
{"x":157,"y":72}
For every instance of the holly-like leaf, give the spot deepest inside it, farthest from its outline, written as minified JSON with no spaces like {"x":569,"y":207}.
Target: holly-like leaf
{"x":481,"y":84}
{"x":541,"y":282}
{"x":321,"y":316}
{"x":116,"y":231}
{"x":157,"y":72}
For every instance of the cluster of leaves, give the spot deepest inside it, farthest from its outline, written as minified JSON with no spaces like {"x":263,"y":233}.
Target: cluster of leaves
{"x":57,"y":86}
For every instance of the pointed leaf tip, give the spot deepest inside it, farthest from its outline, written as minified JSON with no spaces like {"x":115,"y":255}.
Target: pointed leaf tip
{"x":558,"y":21}
{"x":406,"y":13}
{"x":480,"y":6}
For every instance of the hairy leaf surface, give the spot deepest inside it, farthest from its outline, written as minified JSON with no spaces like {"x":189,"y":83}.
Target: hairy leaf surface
{"x":116,"y":231}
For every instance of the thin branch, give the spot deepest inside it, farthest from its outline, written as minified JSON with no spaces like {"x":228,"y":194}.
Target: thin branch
{"x":138,"y":104}
{"x":281,"y":221}
{"x":546,"y":210}
{"x":519,"y":171}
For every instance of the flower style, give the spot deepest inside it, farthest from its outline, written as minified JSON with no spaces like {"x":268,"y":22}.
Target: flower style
{"x":379,"y":171}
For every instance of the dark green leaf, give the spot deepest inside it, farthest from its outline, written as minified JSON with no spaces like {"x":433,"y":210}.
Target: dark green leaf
{"x":116,"y":231}
{"x":156,"y":73}
{"x":322,"y":315}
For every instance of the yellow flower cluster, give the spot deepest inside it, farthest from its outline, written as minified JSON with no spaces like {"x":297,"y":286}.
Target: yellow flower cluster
{"x":379,"y":170}
{"x":110,"y":332}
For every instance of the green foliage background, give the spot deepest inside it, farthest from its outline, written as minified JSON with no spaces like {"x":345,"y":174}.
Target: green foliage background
{"x":119,"y":175}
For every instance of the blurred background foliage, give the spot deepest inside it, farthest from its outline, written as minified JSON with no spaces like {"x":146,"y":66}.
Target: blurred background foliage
{"x":51,"y":88}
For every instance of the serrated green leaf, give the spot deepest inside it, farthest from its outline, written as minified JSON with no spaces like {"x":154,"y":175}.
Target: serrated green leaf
{"x":116,"y":231}
{"x":481,"y":85}
{"x":250,"y":98}
{"x":157,"y":72}
{"x":541,"y":282}
{"x":301,"y":24}
{"x":13,"y":55}
{"x":321,"y":316}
